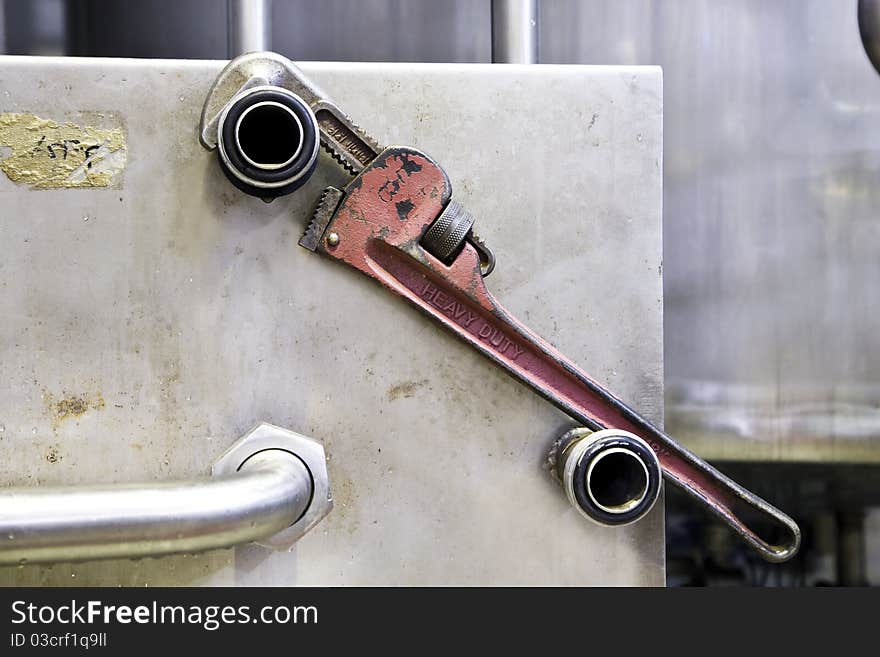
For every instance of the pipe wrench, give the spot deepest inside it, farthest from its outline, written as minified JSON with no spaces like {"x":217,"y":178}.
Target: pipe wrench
{"x":396,"y":222}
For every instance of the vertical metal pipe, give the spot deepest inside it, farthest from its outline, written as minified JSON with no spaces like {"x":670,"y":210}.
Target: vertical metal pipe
{"x":2,"y":29}
{"x":824,"y":554}
{"x":249,"y":26}
{"x":851,"y":549}
{"x":515,"y":31}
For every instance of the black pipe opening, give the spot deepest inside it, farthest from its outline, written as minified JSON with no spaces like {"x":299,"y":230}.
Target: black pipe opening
{"x":269,"y":135}
{"x":617,"y":480}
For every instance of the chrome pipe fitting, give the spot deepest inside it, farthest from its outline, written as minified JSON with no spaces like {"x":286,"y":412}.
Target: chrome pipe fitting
{"x":267,"y":141}
{"x":611,"y":477}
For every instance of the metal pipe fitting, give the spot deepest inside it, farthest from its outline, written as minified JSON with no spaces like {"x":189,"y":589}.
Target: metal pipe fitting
{"x":267,"y":140}
{"x":270,"y":487}
{"x":611,"y":476}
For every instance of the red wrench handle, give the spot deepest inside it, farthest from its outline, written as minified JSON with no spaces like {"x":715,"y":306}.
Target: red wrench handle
{"x":377,"y":228}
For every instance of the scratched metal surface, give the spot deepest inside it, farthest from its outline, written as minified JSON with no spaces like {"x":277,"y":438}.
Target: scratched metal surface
{"x":189,"y":309}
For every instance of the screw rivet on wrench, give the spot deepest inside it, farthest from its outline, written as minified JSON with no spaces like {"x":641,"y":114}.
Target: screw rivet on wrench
{"x":396,"y":223}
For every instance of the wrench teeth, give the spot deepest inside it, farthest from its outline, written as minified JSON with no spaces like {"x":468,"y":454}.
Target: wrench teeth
{"x":365,"y":136}
{"x":324,"y":211}
{"x":340,"y":157}
{"x":349,"y":145}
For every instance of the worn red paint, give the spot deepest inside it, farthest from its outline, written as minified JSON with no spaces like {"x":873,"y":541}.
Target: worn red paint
{"x":379,"y":240}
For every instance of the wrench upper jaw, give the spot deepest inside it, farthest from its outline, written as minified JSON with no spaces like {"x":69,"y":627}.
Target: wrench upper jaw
{"x":244,"y":72}
{"x":349,"y":144}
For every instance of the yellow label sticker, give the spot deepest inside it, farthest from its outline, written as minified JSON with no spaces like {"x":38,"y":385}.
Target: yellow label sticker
{"x":50,"y":155}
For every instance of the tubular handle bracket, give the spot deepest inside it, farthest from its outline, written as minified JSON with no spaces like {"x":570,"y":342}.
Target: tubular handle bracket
{"x":270,"y":487}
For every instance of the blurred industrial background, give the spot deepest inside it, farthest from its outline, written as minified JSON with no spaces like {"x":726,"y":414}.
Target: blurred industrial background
{"x":772,"y":274}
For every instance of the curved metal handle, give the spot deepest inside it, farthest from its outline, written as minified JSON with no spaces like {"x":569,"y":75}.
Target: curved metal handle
{"x":271,"y":485}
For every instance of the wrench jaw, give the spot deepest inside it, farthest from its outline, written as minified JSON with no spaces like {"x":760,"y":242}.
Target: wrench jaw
{"x":347,"y":142}
{"x":321,"y":217}
{"x":279,"y":82}
{"x":320,"y":121}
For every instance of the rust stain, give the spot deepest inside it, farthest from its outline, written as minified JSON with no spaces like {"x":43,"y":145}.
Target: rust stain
{"x":53,"y":455}
{"x":345,"y":517}
{"x":405,"y":390}
{"x":72,"y":406}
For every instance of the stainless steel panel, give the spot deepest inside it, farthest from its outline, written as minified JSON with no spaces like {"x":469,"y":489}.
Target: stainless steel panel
{"x":771,"y":228}
{"x":190,"y":309}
